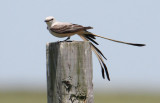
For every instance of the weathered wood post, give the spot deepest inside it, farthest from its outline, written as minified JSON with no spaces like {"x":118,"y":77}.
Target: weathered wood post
{"x":69,"y":72}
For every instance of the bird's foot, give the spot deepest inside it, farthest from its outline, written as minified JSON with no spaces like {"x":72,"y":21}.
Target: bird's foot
{"x":68,"y":40}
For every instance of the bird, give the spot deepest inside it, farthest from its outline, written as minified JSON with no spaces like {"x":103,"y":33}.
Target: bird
{"x":66,"y":29}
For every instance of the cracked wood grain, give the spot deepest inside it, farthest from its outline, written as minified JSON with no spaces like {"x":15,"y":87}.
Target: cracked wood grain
{"x":69,"y":72}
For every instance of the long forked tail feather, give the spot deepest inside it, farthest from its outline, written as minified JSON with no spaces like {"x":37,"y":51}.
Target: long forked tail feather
{"x":134,"y":44}
{"x":98,"y":54}
{"x":91,"y":38}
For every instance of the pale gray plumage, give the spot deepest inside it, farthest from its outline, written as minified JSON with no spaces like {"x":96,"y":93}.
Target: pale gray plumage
{"x":63,"y":29}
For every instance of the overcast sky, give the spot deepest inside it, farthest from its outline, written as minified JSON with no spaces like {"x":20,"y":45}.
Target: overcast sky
{"x":23,"y":38}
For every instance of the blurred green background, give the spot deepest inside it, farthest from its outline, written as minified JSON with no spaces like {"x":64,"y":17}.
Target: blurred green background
{"x":41,"y":97}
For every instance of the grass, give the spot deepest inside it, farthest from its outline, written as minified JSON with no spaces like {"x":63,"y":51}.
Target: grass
{"x":127,"y":98}
{"x":34,"y":97}
{"x":23,"y":97}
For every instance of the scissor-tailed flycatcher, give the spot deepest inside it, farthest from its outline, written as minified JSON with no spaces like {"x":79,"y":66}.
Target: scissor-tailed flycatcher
{"x":61,"y":29}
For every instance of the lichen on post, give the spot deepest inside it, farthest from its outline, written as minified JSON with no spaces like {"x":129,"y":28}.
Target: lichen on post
{"x":69,"y":72}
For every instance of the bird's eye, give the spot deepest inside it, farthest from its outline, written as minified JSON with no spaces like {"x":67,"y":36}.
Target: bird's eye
{"x":48,"y":20}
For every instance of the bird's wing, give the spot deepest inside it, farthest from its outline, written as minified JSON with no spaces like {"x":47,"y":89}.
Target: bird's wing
{"x":67,"y":28}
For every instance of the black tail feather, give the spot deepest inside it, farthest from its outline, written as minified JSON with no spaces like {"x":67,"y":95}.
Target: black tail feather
{"x":99,"y":51}
{"x":91,"y":39}
{"x":106,"y":70}
{"x":99,"y":56}
{"x":102,"y":69}
{"x":90,"y":35}
{"x":137,"y":44}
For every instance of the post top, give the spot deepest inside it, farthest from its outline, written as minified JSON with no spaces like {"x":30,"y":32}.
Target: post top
{"x":68,"y":42}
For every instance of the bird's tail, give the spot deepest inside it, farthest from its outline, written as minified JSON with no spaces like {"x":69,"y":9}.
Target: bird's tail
{"x":87,"y":36}
{"x":98,"y":54}
{"x":93,"y":35}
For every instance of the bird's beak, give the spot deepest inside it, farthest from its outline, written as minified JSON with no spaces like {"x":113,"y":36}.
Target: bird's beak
{"x":45,"y":21}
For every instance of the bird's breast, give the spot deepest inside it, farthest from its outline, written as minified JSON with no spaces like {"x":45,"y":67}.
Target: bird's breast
{"x":61,"y":35}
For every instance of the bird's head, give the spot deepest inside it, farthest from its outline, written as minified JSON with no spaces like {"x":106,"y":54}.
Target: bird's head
{"x":49,"y":20}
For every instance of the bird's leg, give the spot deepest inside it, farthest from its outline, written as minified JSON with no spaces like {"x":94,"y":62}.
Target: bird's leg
{"x":67,"y":39}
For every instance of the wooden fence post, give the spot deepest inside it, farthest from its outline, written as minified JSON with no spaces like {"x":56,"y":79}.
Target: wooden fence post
{"x":69,"y":72}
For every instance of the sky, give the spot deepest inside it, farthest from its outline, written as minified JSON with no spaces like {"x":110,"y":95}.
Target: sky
{"x":23,"y":38}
